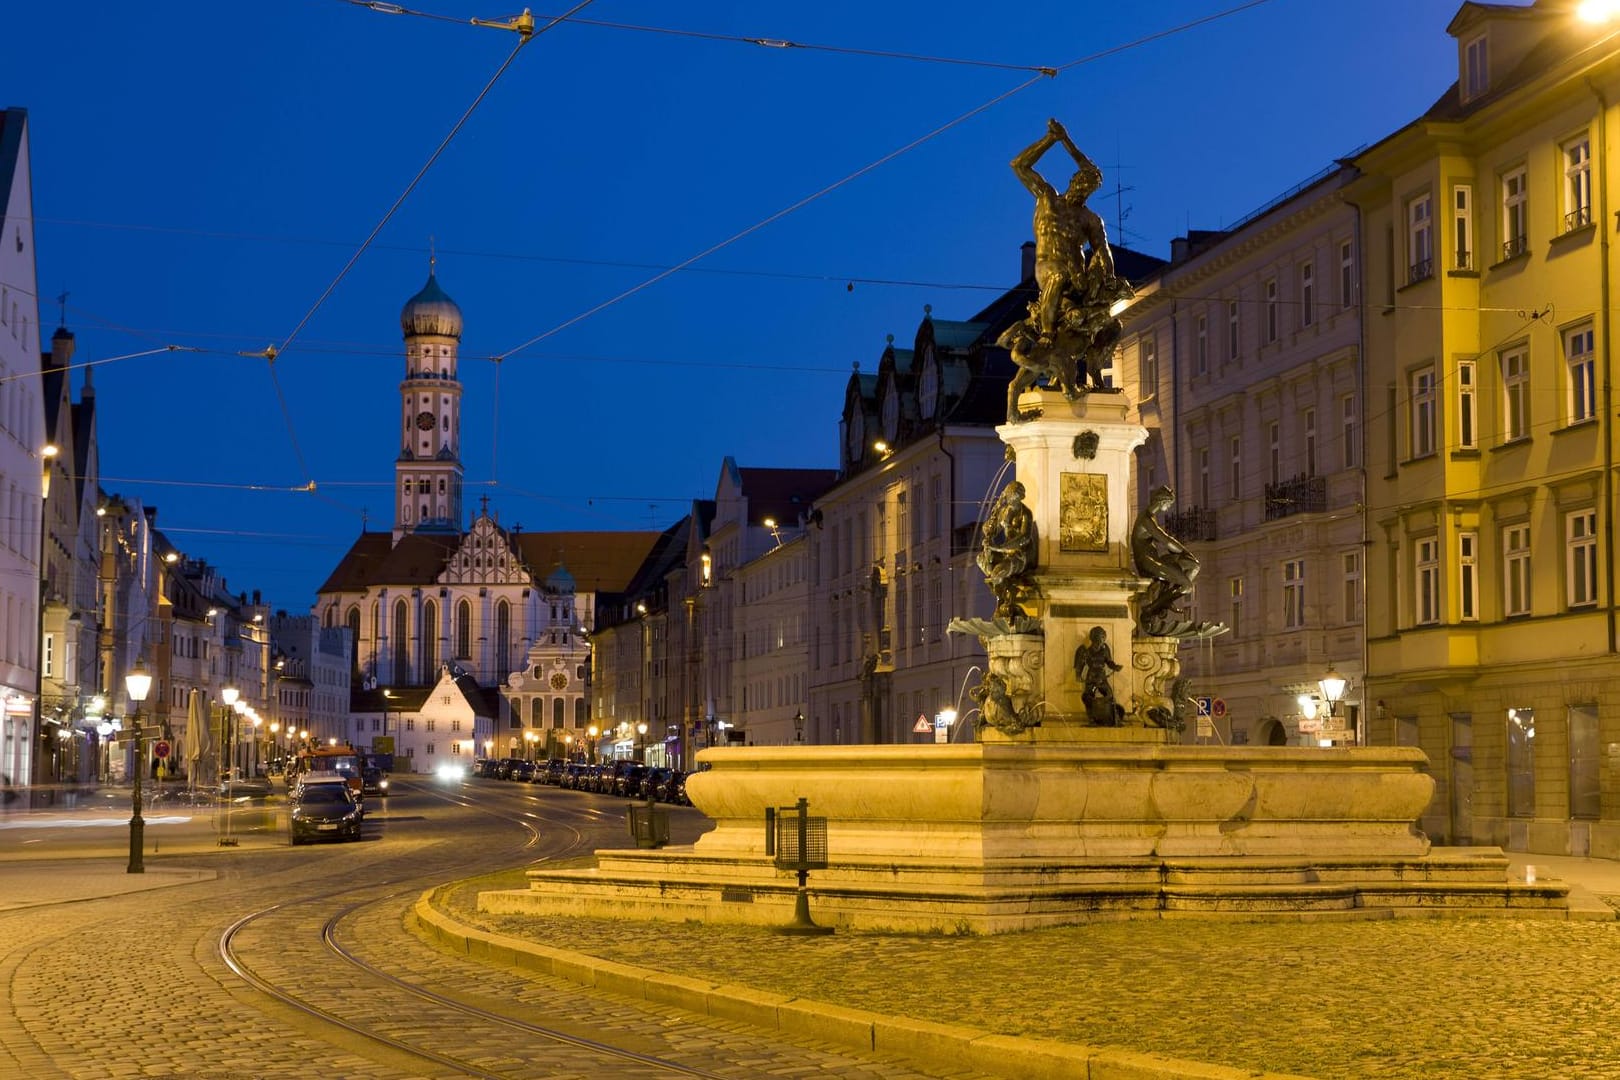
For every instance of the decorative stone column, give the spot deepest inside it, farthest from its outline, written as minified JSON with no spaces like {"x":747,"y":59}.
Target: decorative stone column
{"x":1075,"y":462}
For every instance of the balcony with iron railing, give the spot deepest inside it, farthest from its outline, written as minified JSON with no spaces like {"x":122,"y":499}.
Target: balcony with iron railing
{"x":1514,"y":246}
{"x":1301,"y":495}
{"x":1421,"y":270}
{"x":1578,"y":218}
{"x":1195,"y":523}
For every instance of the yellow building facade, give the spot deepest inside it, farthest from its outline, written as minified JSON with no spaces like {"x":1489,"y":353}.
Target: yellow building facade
{"x":1492,"y":640}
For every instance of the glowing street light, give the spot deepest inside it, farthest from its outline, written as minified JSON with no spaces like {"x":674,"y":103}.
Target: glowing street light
{"x":138,"y":683}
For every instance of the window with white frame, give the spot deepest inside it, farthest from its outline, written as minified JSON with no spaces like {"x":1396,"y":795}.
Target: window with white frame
{"x":1274,"y":459}
{"x":1468,"y":576}
{"x":1347,"y":428}
{"x":1426,"y":596}
{"x":1148,"y":366}
{"x":1578,"y":362}
{"x":1515,"y":213}
{"x":1204,"y":499}
{"x":1232,"y":339}
{"x":1234,"y":487}
{"x":1476,"y":75}
{"x":1581,"y":553}
{"x":1515,"y":394}
{"x":1577,"y":183}
{"x":1271,"y":310}
{"x":47,"y":658}
{"x":1234,"y":605}
{"x":1309,"y":423}
{"x":1307,"y":294}
{"x":1462,"y":226}
{"x":1423,"y":413}
{"x":1201,"y":346}
{"x":1466,"y":416}
{"x":1516,"y":570}
{"x":1347,"y":274}
{"x":1351,"y":600}
{"x":1419,"y":238}
{"x":1293,"y":594}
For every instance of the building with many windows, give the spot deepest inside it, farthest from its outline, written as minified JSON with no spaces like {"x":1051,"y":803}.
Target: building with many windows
{"x":1493,"y":640}
{"x":22,"y":461}
{"x":1243,"y":358}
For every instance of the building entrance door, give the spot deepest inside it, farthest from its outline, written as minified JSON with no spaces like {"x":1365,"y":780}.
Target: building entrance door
{"x":1462,"y":780}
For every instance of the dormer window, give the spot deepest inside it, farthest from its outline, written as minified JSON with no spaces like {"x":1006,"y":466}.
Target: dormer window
{"x":1476,"y":74}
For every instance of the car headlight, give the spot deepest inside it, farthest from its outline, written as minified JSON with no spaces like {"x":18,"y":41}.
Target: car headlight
{"x":451,"y":772}
{"x":383,"y":784}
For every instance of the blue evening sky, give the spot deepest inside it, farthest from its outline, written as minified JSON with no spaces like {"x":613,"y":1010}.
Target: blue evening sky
{"x":203,"y":171}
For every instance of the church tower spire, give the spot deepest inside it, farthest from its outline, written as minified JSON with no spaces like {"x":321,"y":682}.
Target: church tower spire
{"x":427,"y":474}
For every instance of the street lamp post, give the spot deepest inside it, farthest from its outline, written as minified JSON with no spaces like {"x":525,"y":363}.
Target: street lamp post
{"x":229,"y":696}
{"x":138,"y":682}
{"x":798,"y":726}
{"x":592,"y":732}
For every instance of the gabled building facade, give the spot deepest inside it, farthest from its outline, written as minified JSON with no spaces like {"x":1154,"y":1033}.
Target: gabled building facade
{"x":23,"y":751}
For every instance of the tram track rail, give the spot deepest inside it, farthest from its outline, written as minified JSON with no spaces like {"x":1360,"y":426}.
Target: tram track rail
{"x":242,"y":948}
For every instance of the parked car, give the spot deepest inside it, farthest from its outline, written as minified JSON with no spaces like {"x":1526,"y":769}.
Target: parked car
{"x":521,"y":771}
{"x":323,"y":811}
{"x":652,"y":786}
{"x":573,"y":775}
{"x":628,"y":778}
{"x":675,"y":789}
{"x":373,"y":781}
{"x":553,"y":772}
{"x":486,"y":767}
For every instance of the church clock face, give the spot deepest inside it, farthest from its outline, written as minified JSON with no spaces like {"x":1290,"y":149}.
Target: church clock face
{"x":424,"y":420}
{"x":559,"y":681}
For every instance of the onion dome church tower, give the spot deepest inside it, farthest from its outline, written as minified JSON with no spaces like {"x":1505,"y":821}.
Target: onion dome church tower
{"x":428,"y":475}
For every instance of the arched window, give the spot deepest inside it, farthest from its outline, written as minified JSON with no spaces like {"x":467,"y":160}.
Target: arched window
{"x":503,"y":639}
{"x":430,"y":642}
{"x":464,"y":630}
{"x":579,"y":712}
{"x":402,"y":643}
{"x":353,"y":622}
{"x":556,"y":712}
{"x":536,"y":712}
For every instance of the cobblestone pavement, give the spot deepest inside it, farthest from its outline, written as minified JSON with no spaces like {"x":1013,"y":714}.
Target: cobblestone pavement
{"x":1409,"y":998}
{"x":128,"y":984}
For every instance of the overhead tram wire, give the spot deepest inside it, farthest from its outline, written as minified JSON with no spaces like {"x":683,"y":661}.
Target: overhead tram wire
{"x":885,"y":159}
{"x":523,"y":25}
{"x":782,"y":43}
{"x":107,"y":360}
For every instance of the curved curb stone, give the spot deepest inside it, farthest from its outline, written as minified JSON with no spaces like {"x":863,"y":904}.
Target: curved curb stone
{"x":944,"y":1045}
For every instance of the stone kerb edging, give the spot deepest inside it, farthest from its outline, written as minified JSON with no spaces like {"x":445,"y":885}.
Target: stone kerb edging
{"x":949,"y":1045}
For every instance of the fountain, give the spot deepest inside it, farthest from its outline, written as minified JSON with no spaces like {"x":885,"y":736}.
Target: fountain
{"x":1077,"y":801}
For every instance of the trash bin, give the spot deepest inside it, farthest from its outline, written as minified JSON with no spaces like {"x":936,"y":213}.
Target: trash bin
{"x":649,"y":824}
